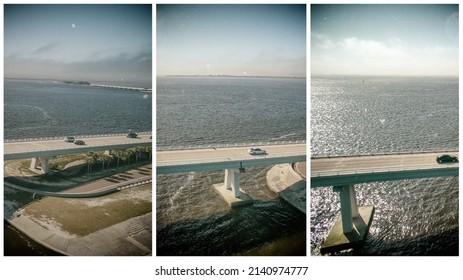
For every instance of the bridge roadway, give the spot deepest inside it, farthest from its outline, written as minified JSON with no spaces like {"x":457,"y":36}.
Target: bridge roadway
{"x":226,"y":158}
{"x":351,"y":227}
{"x":338,"y":171}
{"x":51,"y":148}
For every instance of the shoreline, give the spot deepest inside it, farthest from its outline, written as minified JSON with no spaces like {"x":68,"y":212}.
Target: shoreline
{"x":91,"y":226}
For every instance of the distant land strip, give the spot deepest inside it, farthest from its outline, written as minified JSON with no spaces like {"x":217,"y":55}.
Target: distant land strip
{"x":235,"y":76}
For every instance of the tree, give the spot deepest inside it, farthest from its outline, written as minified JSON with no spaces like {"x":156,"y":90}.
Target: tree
{"x":124,"y":156}
{"x":104,"y":158}
{"x":130,"y":152}
{"x":148,"y":149}
{"x":118,"y":154}
{"x":91,"y":159}
{"x":138,"y":151}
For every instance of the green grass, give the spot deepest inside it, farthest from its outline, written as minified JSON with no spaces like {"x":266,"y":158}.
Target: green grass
{"x":76,"y":217}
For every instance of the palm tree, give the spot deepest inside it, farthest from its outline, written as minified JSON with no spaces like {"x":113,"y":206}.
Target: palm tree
{"x":118,"y":154}
{"x":130,"y":152}
{"x":138,"y":151}
{"x":91,"y":159}
{"x":124,"y":156}
{"x":104,"y":158}
{"x":148,"y":149}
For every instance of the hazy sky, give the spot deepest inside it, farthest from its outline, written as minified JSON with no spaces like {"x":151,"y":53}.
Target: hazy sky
{"x":384,"y":39}
{"x":265,"y":40}
{"x":79,"y":42}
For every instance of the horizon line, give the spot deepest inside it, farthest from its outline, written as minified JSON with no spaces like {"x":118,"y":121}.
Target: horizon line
{"x":231,"y":76}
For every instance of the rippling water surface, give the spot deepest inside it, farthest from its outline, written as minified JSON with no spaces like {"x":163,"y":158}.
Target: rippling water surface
{"x":191,"y":218}
{"x":34,"y":108}
{"x":356,"y":115}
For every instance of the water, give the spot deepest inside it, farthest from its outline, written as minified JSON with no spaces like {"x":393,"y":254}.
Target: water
{"x":191,"y":218}
{"x":356,"y":115}
{"x":17,"y":244}
{"x":192,"y":111}
{"x":35,"y":108}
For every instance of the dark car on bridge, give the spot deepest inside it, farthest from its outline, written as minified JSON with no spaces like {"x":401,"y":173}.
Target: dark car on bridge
{"x":446,"y":158}
{"x":79,"y":142}
{"x":132,"y":135}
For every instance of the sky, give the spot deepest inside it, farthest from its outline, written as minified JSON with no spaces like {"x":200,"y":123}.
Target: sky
{"x":398,"y":40}
{"x":243,"y":40}
{"x":79,"y":42}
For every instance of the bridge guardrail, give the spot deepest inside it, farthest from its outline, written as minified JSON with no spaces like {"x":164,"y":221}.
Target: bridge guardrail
{"x":212,"y":146}
{"x":77,"y":137}
{"x":225,"y":159}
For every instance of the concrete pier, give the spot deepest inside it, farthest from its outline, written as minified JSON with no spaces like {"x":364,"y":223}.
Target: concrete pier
{"x":229,"y":196}
{"x":230,"y":190}
{"x":39,"y":161}
{"x":337,"y":240}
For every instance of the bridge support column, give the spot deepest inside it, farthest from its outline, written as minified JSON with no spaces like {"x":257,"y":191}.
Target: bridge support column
{"x":34,"y":163}
{"x":351,"y":228}
{"x":42,"y":162}
{"x":232,"y":181}
{"x":44,"y":165}
{"x":230,"y":189}
{"x":349,"y":208}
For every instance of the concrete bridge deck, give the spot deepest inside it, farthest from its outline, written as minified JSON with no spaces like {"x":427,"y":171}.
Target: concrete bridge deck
{"x":223,"y":158}
{"x":336,"y":171}
{"x":351,"y":227}
{"x":49,"y":148}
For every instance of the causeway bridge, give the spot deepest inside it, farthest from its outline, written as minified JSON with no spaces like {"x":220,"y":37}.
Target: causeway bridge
{"x":343,"y":172}
{"x":234,"y":160}
{"x":43,"y":149}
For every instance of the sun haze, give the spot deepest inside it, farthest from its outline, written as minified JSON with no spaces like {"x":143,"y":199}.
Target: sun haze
{"x":253,"y":40}
{"x":79,"y":42}
{"x":411,"y":40}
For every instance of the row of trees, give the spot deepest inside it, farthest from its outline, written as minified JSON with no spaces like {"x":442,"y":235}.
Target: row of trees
{"x":126,"y":156}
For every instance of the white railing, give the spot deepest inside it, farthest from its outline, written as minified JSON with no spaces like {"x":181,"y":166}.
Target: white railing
{"x":136,"y":184}
{"x":216,"y":146}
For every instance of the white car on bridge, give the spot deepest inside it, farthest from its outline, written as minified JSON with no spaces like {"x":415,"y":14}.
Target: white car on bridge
{"x":256,"y":151}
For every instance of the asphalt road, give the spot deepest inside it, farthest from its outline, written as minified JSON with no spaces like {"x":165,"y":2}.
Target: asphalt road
{"x":377,"y":163}
{"x":30,"y":147}
{"x":236,"y":153}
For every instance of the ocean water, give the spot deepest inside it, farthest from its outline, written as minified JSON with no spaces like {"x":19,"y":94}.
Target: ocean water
{"x":36,"y":108}
{"x":368,"y":115}
{"x":191,"y":218}
{"x":215,"y":110}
